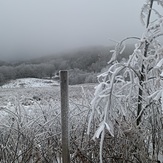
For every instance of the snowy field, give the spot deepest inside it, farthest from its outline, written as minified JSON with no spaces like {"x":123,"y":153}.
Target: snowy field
{"x":30,"y":129}
{"x":30,"y":83}
{"x":30,"y":91}
{"x":30,"y":114}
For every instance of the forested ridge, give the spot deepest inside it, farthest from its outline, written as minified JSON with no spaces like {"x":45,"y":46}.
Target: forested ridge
{"x":83,"y":65}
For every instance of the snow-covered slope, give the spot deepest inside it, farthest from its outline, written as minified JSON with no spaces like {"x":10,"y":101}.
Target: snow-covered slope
{"x":30,"y":83}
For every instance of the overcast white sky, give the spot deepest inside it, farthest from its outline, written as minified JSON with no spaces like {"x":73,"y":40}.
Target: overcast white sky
{"x":39,"y":27}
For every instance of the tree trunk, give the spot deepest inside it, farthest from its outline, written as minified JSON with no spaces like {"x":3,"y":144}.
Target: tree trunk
{"x":142,"y":73}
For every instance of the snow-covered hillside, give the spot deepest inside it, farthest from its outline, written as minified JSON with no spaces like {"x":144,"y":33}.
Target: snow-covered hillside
{"x":30,"y":83}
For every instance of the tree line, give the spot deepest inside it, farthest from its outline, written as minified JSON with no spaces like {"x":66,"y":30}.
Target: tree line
{"x":83,"y":65}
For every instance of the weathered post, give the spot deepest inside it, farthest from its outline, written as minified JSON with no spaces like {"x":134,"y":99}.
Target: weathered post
{"x":64,"y":116}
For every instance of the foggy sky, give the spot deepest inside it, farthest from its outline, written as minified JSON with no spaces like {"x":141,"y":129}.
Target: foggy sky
{"x":41,"y":27}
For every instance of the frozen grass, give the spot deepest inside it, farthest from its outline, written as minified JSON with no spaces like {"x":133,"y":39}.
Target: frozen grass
{"x":30,"y":83}
{"x":30,"y":128}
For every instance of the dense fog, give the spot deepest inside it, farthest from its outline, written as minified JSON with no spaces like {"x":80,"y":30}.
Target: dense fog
{"x":35,"y":28}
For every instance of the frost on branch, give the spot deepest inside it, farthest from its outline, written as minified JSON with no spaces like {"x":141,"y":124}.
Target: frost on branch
{"x":135,"y":84}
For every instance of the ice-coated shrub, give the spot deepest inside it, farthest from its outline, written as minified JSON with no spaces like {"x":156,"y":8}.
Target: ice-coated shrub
{"x":127,"y":102}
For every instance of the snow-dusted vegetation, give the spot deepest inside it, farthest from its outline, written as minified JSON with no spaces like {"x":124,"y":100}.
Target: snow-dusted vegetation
{"x":30,"y":83}
{"x":30,"y":128}
{"x":120,"y":121}
{"x":128,"y":102}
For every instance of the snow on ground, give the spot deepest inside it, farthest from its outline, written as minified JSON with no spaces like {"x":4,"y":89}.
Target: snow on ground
{"x":33,"y":94}
{"x":35,"y":104}
{"x":30,"y":83}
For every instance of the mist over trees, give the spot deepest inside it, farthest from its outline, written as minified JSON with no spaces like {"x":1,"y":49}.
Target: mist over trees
{"x":83,"y":65}
{"x":122,"y":122}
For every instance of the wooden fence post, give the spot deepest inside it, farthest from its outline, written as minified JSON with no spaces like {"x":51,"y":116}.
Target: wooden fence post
{"x":65,"y":116}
